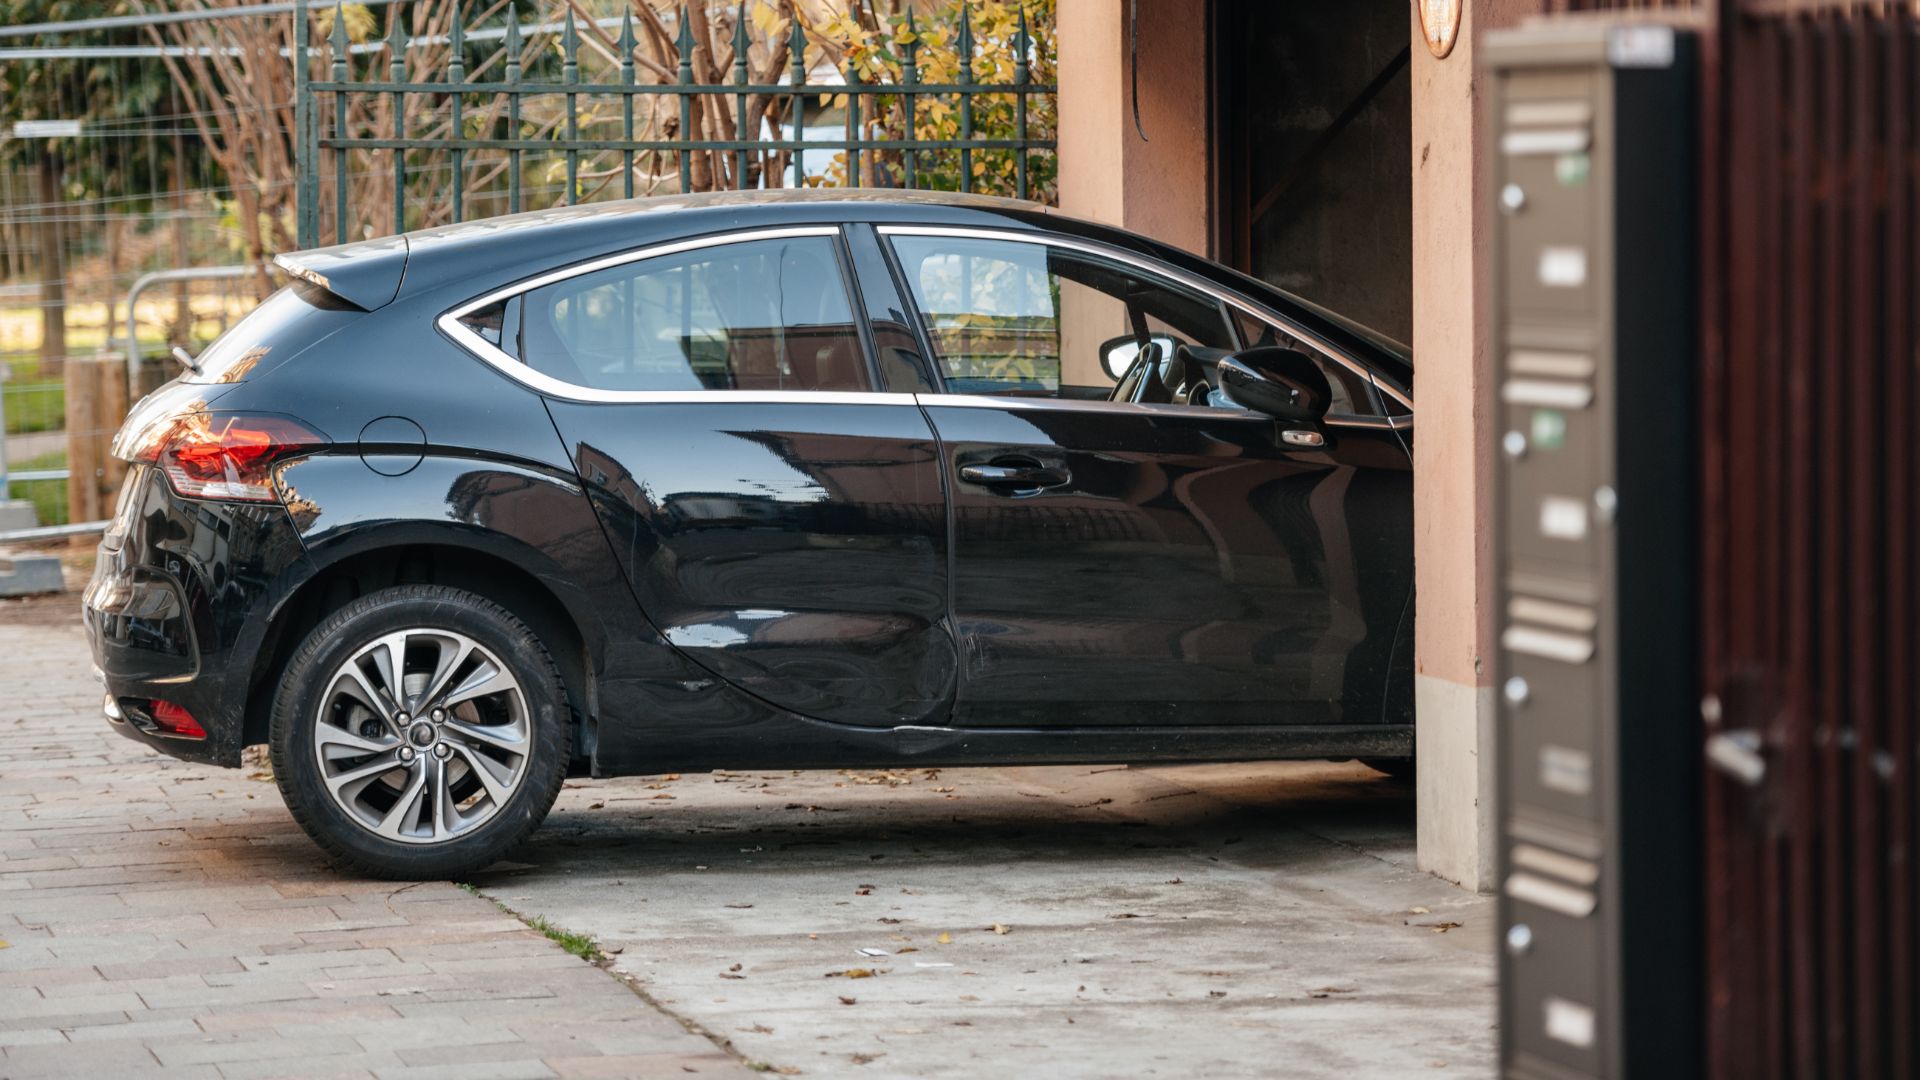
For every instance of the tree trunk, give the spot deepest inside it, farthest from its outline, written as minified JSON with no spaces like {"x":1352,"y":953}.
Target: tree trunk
{"x":53,"y":270}
{"x":182,"y":329}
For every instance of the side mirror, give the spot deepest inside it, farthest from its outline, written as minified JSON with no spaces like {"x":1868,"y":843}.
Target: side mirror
{"x":1118,"y":354}
{"x":1283,"y":383}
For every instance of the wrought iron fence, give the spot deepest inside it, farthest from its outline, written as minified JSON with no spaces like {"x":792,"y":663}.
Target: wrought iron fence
{"x":461,"y":109}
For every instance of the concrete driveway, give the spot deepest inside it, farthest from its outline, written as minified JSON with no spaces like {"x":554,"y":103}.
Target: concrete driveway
{"x":1099,"y":921}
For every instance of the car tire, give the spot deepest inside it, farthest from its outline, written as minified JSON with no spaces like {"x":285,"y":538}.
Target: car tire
{"x":514,"y":724}
{"x":1399,"y":768}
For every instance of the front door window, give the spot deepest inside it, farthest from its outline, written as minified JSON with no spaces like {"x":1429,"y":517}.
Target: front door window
{"x":1008,"y":317}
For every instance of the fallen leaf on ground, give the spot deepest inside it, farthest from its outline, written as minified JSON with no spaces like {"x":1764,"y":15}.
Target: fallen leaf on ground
{"x":855,"y":973}
{"x":741,"y":907}
{"x":862,"y":1059}
{"x":944,"y":938}
{"x":1441,"y":928}
{"x":663,"y":795}
{"x":1327,"y":990}
{"x":1422,"y":911}
{"x":1001,"y":928}
{"x":596,"y":806}
{"x":758,"y":1029}
{"x":845,"y":1000}
{"x":1175,"y":881}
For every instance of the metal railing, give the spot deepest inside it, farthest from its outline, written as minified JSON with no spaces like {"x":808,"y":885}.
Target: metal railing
{"x":341,"y":116}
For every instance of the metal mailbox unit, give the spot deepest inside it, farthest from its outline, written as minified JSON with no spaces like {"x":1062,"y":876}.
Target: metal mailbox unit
{"x":1594,"y":300}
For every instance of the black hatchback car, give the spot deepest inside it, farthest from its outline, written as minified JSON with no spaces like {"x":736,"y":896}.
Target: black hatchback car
{"x":798,"y":480}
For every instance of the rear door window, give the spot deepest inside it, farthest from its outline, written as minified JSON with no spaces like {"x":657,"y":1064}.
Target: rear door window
{"x":766,"y":314}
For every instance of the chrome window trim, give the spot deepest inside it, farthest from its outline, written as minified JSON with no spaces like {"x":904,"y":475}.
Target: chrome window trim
{"x":1019,"y":402}
{"x":1225,"y":296}
{"x":513,"y":368}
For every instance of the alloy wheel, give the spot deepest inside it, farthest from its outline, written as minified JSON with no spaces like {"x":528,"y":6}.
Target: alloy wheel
{"x":422,"y":735}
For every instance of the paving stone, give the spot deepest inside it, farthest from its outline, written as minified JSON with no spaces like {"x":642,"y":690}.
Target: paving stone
{"x":168,"y":919}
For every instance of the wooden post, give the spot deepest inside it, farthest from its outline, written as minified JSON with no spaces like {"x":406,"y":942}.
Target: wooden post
{"x":110,"y":411}
{"x":83,"y":486}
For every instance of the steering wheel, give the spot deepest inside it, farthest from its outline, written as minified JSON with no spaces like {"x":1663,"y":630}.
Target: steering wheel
{"x":1143,"y":382}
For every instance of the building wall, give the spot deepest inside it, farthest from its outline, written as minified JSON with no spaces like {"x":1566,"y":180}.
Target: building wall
{"x":1453,"y":451}
{"x":1161,"y":187}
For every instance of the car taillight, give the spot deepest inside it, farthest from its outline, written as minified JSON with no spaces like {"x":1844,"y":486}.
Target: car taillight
{"x":174,"y":720}
{"x":220,"y":455}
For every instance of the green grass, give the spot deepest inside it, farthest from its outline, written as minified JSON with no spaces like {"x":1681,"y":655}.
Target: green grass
{"x":579,"y":945}
{"x":49,"y":497}
{"x":34,"y":406}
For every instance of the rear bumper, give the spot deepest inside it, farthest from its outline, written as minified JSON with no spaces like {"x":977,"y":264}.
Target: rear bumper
{"x":177,"y":609}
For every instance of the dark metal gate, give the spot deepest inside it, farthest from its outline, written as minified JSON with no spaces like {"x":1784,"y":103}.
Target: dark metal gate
{"x":1809,"y":379}
{"x":457,"y":121}
{"x":1810,"y":613}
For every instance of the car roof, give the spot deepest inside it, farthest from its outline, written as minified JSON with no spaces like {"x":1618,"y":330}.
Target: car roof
{"x":491,"y":252}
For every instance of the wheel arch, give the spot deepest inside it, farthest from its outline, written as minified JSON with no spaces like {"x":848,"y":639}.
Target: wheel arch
{"x":568,"y":635}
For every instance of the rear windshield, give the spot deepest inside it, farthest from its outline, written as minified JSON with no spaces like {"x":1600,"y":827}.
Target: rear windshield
{"x":283,"y":324}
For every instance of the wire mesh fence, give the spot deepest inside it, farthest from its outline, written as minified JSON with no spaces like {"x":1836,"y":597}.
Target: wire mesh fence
{"x":221,"y":132}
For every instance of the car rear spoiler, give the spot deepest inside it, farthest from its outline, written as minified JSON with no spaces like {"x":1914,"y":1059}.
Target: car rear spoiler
{"x":365,"y":274}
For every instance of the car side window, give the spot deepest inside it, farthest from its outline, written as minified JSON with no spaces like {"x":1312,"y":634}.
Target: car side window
{"x":1351,"y":395}
{"x":1010,"y":317}
{"x":767,"y":314}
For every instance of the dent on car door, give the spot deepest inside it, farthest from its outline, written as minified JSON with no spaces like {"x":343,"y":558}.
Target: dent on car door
{"x":780,"y":521}
{"x":1146,"y":564}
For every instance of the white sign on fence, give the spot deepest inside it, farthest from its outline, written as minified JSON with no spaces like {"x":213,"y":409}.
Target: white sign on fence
{"x":46,"y":129}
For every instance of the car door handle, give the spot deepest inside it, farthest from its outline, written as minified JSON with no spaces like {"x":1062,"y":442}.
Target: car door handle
{"x":1014,"y":476}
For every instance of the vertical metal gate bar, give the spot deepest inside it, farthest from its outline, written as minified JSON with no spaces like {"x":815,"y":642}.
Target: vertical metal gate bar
{"x":798,"y":49}
{"x":1835,"y":812}
{"x":626,"y":102}
{"x":397,"y":72}
{"x":457,"y":75}
{"x":338,"y":43}
{"x":1864,"y":370}
{"x":1721,"y":147}
{"x":966,"y":98}
{"x":1900,"y":610}
{"x":306,"y":228}
{"x":684,"y":42}
{"x":1801,"y":926}
{"x":512,"y":44}
{"x":1774,"y":273}
{"x":570,"y":75}
{"x":910,"y":78}
{"x":740,"y":131}
{"x":1021,"y":76}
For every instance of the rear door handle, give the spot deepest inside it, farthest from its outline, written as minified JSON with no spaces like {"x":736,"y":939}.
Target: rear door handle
{"x":1014,"y":476}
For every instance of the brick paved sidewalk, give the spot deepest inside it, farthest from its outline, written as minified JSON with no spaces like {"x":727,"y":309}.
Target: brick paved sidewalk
{"x":161,"y":917}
